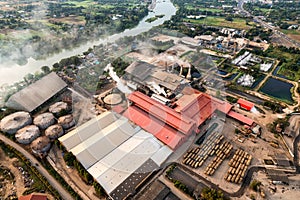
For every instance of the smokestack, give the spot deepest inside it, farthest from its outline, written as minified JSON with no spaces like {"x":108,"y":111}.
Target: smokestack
{"x":181,"y":70}
{"x":166,"y":66}
{"x":189,"y":76}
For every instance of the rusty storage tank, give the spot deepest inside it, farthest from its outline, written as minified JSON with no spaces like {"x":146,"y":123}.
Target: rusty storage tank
{"x":13,"y":122}
{"x":66,"y":121}
{"x":27,"y":134}
{"x":59,"y":108}
{"x":54,"y":131}
{"x":44,"y":120}
{"x":40,"y":145}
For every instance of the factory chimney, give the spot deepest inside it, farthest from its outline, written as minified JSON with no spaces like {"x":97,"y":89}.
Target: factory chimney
{"x":189,"y":76}
{"x":181,"y":70}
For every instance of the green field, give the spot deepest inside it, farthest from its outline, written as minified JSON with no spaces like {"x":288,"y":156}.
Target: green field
{"x":84,"y":4}
{"x":191,"y":7}
{"x":263,"y":10}
{"x":237,"y":23}
{"x":292,"y":32}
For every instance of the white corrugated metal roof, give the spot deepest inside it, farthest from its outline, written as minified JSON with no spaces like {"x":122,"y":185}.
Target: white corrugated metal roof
{"x":127,"y":165}
{"x":103,"y":142}
{"x":113,"y":151}
{"x":87,"y":130}
{"x":161,"y":155}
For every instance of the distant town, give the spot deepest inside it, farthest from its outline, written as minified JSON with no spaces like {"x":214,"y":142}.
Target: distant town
{"x":203,"y":106}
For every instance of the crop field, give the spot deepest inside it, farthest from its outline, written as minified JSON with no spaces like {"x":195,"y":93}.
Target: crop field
{"x":237,"y":23}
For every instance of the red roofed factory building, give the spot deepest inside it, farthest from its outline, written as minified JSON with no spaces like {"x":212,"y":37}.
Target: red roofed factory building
{"x":173,"y":126}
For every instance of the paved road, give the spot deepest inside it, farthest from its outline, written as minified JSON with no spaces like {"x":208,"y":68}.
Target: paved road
{"x":296,"y":153}
{"x":52,"y":181}
{"x":276,"y":32}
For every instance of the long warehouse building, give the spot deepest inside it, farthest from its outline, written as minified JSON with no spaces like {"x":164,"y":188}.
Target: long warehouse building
{"x":117,"y":154}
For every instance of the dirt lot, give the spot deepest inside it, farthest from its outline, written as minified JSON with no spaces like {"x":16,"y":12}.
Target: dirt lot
{"x":283,"y":192}
{"x":294,"y":37}
{"x":11,"y":186}
{"x":258,"y":148}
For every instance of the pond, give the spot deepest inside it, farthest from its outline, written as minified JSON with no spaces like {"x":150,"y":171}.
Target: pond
{"x":278,"y":89}
{"x":231,"y":77}
{"x":278,"y":75}
{"x":222,"y":72}
{"x":257,"y":81}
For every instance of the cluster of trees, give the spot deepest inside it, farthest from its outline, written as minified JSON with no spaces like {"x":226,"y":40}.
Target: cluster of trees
{"x":280,"y":11}
{"x":273,"y":106}
{"x":211,"y":194}
{"x":96,"y":21}
{"x":259,"y":32}
{"x":254,"y":185}
{"x":119,"y":66}
{"x":71,"y":161}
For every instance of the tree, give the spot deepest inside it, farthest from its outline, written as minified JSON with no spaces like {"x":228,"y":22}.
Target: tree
{"x":45,"y":69}
{"x":229,"y":18}
{"x":211,"y":194}
{"x":255,"y":184}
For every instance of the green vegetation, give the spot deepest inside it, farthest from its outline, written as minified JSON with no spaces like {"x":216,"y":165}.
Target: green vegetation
{"x":211,"y":194}
{"x":281,"y":123}
{"x":71,"y":161}
{"x":60,"y":179}
{"x":289,"y":60}
{"x":66,"y":24}
{"x":170,"y":169}
{"x":231,"y":99}
{"x":254,"y":185}
{"x":152,"y":19}
{"x":237,"y":23}
{"x":281,"y":13}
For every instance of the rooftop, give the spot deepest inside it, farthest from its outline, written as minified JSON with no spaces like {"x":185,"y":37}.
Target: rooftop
{"x":112,"y":149}
{"x":162,"y":112}
{"x":40,"y":90}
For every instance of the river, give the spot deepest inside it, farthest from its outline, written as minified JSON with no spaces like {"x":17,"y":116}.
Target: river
{"x":12,"y":72}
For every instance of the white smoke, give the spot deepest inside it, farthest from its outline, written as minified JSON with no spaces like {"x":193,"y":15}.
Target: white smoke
{"x":121,"y":86}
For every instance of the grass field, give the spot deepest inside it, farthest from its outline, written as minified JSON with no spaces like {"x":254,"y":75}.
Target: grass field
{"x":84,"y":4}
{"x":291,"y":32}
{"x":264,"y":10}
{"x":191,"y":7}
{"x":237,"y":23}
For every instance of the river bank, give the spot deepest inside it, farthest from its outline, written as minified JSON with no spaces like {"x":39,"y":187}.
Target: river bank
{"x":12,"y":72}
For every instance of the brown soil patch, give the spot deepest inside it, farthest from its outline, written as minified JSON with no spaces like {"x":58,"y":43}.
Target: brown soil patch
{"x":69,"y":20}
{"x":295,"y":37}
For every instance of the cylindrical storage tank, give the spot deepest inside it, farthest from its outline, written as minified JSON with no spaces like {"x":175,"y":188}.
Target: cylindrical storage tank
{"x":59,"y":108}
{"x":27,"y":134}
{"x":44,"y":120}
{"x":66,"y":121}
{"x":13,"y":122}
{"x":40,"y":145}
{"x":113,"y":99}
{"x":55,"y":131}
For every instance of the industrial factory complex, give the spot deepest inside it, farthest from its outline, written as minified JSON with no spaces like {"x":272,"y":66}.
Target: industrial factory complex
{"x":163,"y":124}
{"x":122,"y":148}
